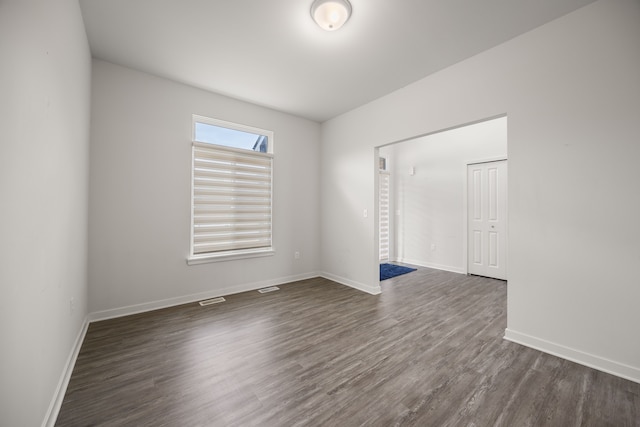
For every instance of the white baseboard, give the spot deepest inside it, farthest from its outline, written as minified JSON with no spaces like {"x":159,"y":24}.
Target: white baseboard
{"x":596,"y":362}
{"x":432,"y":265}
{"x":185,"y":299}
{"x":373,"y":290}
{"x":63,"y":383}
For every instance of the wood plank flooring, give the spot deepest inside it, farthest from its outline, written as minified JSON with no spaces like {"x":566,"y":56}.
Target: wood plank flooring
{"x":427,"y":352}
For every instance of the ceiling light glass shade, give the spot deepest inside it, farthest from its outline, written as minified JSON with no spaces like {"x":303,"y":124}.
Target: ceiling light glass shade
{"x":330,"y":14}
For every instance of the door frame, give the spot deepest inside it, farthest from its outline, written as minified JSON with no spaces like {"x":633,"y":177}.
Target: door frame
{"x":465,"y":208}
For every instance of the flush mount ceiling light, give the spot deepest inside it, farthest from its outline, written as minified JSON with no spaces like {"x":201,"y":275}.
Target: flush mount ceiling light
{"x":330,"y":14}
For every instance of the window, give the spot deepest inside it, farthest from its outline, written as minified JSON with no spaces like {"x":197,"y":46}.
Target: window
{"x":384,"y":200}
{"x":231,"y":196}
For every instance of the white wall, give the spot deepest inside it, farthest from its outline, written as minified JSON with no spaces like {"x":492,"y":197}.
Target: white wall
{"x":45,"y":76}
{"x":140,"y":194}
{"x":430,"y":204}
{"x":572,"y":94}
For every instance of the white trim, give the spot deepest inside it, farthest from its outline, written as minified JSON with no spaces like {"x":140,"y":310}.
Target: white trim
{"x":612,"y":367}
{"x":432,"y":265}
{"x":373,"y":290}
{"x":229,"y":255}
{"x":170,"y":302}
{"x":465,"y":220}
{"x":56,"y":402}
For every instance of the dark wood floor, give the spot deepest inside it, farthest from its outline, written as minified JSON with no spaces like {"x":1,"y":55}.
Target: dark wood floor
{"x":427,"y":352}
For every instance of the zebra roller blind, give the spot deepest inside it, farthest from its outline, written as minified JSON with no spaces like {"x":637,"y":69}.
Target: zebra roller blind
{"x":232,"y":203}
{"x":384,"y":207}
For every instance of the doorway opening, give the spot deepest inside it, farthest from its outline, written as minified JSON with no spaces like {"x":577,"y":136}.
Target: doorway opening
{"x":428,"y":199}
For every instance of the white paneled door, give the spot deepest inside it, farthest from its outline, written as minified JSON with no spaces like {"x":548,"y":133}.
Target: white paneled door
{"x":487,"y":219}
{"x":384,"y":200}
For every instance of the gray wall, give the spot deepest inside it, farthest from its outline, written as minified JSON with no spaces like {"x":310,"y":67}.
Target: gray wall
{"x":140,"y":194}
{"x":572,"y":95}
{"x":44,"y":144}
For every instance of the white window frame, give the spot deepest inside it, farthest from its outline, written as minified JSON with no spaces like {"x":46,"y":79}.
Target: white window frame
{"x":231,"y":254}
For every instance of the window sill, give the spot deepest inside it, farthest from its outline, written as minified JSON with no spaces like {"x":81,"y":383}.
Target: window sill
{"x":229,"y":256}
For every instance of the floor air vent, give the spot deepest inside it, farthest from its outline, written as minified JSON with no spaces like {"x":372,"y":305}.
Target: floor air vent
{"x":212,"y":301}
{"x":269,"y":289}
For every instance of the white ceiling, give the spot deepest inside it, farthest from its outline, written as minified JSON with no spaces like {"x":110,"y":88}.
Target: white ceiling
{"x":271,"y":53}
